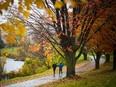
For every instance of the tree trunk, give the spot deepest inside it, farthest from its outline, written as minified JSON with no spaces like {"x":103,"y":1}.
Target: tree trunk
{"x":97,"y":60}
{"x":85,"y":56}
{"x":70,"y":69}
{"x":71,"y":62}
{"x":107,"y":58}
{"x":97,"y":64}
{"x":114,"y":59}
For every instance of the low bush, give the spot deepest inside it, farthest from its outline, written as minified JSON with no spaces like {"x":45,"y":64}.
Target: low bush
{"x":41,"y":69}
{"x":32,"y":66}
{"x":10,"y":75}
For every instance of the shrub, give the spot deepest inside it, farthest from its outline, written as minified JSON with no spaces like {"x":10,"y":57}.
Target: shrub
{"x":10,"y":75}
{"x":42,"y":69}
{"x":31,"y":66}
{"x":2,"y":75}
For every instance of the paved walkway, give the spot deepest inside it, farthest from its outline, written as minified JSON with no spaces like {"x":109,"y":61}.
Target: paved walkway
{"x":36,"y":82}
{"x":43,"y":80}
{"x":89,"y":66}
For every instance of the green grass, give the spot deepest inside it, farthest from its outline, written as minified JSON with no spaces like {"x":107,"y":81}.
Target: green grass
{"x":81,"y":59}
{"x":103,"y":77}
{"x":10,"y":51}
{"x":111,"y":57}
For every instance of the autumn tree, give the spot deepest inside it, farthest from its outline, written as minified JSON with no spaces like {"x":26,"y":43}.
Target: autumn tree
{"x":95,"y":48}
{"x":64,"y":23}
{"x":110,"y":40}
{"x":107,"y":60}
{"x":103,"y":41}
{"x":111,"y":30}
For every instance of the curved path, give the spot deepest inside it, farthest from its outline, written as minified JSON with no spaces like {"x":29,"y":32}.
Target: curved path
{"x":89,"y":66}
{"x":39,"y":81}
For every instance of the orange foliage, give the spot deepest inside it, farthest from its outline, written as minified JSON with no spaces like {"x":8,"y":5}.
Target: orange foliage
{"x":103,"y":40}
{"x":34,"y":48}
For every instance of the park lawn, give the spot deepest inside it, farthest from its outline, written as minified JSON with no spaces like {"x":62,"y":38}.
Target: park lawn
{"x":10,"y":51}
{"x":103,"y":77}
{"x":81,"y":59}
{"x":111,"y":57}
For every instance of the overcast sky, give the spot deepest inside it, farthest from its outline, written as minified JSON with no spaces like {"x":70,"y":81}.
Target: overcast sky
{"x":4,"y":13}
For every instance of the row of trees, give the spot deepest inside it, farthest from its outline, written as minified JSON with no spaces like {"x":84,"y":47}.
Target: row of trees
{"x":69,"y":26}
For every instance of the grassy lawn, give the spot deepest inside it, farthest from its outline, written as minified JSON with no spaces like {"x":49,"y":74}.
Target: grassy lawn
{"x":10,"y":51}
{"x":111,"y":57}
{"x":104,"y":77}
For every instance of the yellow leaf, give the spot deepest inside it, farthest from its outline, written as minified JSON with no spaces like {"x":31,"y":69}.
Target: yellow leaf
{"x":20,"y":8}
{"x":3,"y":26}
{"x":10,"y":39}
{"x":40,"y":3}
{"x":28,"y":3}
{"x":20,"y":25}
{"x":11,"y":29}
{"x":8,"y":28}
{"x":5,"y":5}
{"x":21,"y":30}
{"x":73,"y":3}
{"x":28,"y":7}
{"x":58,"y":4}
{"x":26,"y":14}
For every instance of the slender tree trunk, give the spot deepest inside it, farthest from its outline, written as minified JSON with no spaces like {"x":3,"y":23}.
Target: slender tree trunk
{"x":97,"y":64}
{"x":107,"y":58}
{"x":85,"y":56}
{"x":71,"y":62}
{"x":114,"y":59}
{"x":98,"y":55}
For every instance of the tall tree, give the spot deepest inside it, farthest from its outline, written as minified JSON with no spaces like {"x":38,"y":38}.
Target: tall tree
{"x":107,"y":58}
{"x":104,"y":41}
